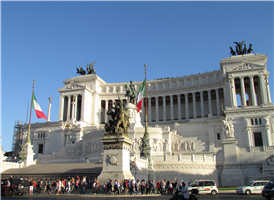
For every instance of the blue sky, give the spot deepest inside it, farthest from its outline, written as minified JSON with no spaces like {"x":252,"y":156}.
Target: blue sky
{"x":47,"y":41}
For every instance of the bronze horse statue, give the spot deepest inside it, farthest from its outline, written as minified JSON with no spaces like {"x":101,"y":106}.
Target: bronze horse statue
{"x":131,"y":92}
{"x":80,"y":71}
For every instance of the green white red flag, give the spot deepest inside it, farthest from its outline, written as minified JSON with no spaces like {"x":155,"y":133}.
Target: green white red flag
{"x":141,"y":96}
{"x":37,"y":108}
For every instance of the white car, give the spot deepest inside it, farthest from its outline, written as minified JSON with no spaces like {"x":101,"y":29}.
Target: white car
{"x":255,"y":187}
{"x":204,"y":187}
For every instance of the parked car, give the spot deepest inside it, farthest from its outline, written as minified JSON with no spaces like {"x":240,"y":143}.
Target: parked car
{"x":17,"y":187}
{"x":204,"y":187}
{"x":268,"y":191}
{"x":254,"y":187}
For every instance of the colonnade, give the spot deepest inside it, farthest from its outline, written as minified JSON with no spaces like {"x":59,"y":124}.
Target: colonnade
{"x":71,"y":106}
{"x":171,"y":107}
{"x":253,"y":87}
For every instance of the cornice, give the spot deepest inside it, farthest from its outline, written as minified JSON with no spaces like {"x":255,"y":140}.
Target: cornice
{"x":243,"y":58}
{"x":266,"y":109}
{"x":84,"y":78}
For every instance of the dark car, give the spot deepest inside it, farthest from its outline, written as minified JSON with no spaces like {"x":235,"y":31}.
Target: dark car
{"x":268,"y":191}
{"x":17,"y":187}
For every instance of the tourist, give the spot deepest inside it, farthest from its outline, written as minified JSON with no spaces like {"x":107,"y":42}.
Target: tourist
{"x":148,"y":187}
{"x":158,"y":187}
{"x":116,"y":187}
{"x":38,"y":186}
{"x":170,"y":188}
{"x":77,"y":182}
{"x":163,"y":187}
{"x":83,"y":185}
{"x":104,"y":187}
{"x":133,"y":183}
{"x":96,"y":186}
{"x":31,"y":187}
{"x":8,"y":183}
{"x":152,"y":187}
{"x":58,"y":187}
{"x":119,"y":187}
{"x":68,"y":189}
{"x":109,"y":187}
{"x":137,"y":186}
{"x":184,"y":190}
{"x":143,"y":186}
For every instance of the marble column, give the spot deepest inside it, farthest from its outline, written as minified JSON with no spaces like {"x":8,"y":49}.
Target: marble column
{"x":194,"y":105}
{"x":106,"y":110}
{"x":209,"y":102}
{"x":83,"y":107}
{"x":233,"y":92}
{"x":186,"y":105}
{"x":252,"y":91}
{"x":164,"y":108}
{"x":267,"y":89}
{"x":61,"y":107}
{"x":262,"y":89}
{"x":243,"y":91}
{"x":171,"y":108}
{"x":157,"y":108}
{"x":202,"y":104}
{"x":68,"y":108}
{"x":218,"y":102}
{"x":48,"y":118}
{"x":149,"y":109}
{"x":179,"y":107}
{"x":75,"y":107}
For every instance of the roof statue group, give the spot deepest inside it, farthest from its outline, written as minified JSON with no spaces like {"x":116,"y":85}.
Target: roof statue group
{"x":90,"y":69}
{"x":240,"y":50}
{"x":119,"y":123}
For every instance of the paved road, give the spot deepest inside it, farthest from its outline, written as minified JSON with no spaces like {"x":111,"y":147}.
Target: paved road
{"x":223,"y":196}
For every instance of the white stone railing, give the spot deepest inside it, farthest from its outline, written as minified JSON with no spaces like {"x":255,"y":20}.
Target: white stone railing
{"x":256,"y":149}
{"x":201,"y":158}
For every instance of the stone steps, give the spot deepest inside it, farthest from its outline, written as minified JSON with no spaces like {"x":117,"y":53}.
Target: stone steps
{"x":57,"y":168}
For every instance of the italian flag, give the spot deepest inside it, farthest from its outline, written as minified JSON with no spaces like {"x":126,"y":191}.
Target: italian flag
{"x":37,"y":108}
{"x":141,"y":96}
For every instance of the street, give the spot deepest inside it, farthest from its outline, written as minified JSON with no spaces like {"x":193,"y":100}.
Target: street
{"x":223,"y":196}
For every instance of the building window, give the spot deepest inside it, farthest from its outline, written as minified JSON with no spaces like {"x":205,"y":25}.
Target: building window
{"x":258,"y":140}
{"x":218,"y":136}
{"x":40,"y":148}
{"x":256,"y":121}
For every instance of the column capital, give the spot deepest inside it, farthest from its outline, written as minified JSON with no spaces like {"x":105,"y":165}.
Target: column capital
{"x":251,"y":76}
{"x":241,"y":77}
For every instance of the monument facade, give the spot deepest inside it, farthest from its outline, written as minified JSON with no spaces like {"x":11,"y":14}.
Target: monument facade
{"x":217,"y":125}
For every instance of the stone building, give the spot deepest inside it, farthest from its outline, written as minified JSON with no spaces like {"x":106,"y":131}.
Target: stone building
{"x":216,"y":125}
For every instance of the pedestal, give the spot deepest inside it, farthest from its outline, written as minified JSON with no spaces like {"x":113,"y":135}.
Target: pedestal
{"x":135,"y":118}
{"x":232,"y":174}
{"x":116,"y":158}
{"x":27,"y":154}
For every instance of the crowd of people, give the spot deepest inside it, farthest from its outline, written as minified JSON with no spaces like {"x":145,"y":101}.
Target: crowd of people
{"x":132,"y":186}
{"x":78,"y":185}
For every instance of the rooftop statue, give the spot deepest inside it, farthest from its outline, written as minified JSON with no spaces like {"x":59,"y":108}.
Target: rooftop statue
{"x":131,"y":93}
{"x":80,"y":70}
{"x":90,"y":68}
{"x":240,"y":50}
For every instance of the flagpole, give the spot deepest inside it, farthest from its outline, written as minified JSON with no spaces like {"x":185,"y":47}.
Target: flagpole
{"x":28,"y":136}
{"x":146,"y":94}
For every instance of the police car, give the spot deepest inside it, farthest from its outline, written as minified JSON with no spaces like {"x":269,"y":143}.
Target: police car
{"x":254,"y":187}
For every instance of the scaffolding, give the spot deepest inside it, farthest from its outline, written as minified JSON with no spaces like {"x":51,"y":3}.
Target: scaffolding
{"x":17,"y":138}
